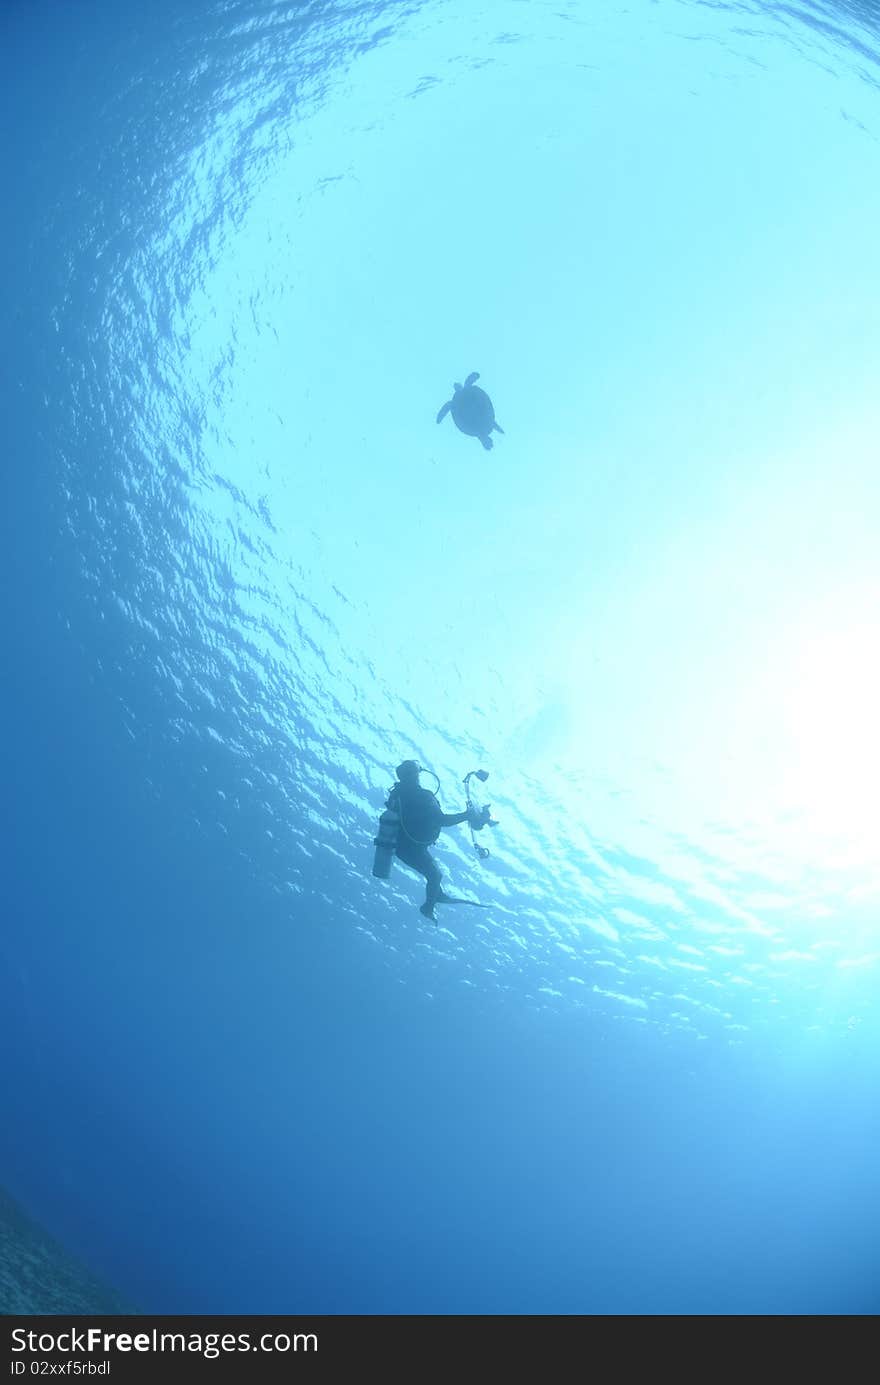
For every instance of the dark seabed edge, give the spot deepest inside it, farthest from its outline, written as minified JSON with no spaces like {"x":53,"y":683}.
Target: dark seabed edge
{"x":38,"y":1276}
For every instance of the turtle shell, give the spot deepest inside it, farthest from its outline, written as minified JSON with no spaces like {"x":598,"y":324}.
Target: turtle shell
{"x":472,"y":411}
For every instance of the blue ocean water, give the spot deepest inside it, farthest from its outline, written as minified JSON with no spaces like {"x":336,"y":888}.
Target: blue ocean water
{"x":249,"y":248}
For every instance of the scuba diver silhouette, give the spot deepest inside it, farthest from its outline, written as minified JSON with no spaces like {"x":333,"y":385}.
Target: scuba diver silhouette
{"x":412,"y":822}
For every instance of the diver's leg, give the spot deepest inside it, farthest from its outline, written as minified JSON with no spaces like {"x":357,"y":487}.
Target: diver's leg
{"x":433,"y":893}
{"x":432,"y":876}
{"x":419,"y":859}
{"x":411,"y":855}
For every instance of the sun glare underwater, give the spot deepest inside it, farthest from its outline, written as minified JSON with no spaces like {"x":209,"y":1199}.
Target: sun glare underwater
{"x":254,"y":250}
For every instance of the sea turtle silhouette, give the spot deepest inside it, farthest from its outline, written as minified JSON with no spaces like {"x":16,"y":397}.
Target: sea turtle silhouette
{"x":472,"y":411}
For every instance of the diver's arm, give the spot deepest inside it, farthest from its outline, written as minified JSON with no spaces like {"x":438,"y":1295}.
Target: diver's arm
{"x":453,"y":819}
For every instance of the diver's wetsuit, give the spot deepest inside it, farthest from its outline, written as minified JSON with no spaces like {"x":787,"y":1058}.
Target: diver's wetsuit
{"x":421,"y":818}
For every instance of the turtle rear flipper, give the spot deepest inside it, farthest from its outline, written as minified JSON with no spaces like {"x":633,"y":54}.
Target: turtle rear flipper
{"x":498,"y":428}
{"x":487,"y":443}
{"x":444,"y":411}
{"x":472,"y":378}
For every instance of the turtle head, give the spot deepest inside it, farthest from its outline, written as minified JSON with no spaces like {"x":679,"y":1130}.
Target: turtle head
{"x":456,"y":387}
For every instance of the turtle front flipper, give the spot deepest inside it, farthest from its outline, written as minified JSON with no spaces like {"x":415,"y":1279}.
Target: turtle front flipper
{"x":472,"y":378}
{"x":444,"y":411}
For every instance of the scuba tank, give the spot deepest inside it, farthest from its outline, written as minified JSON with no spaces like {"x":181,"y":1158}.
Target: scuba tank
{"x":389,"y":831}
